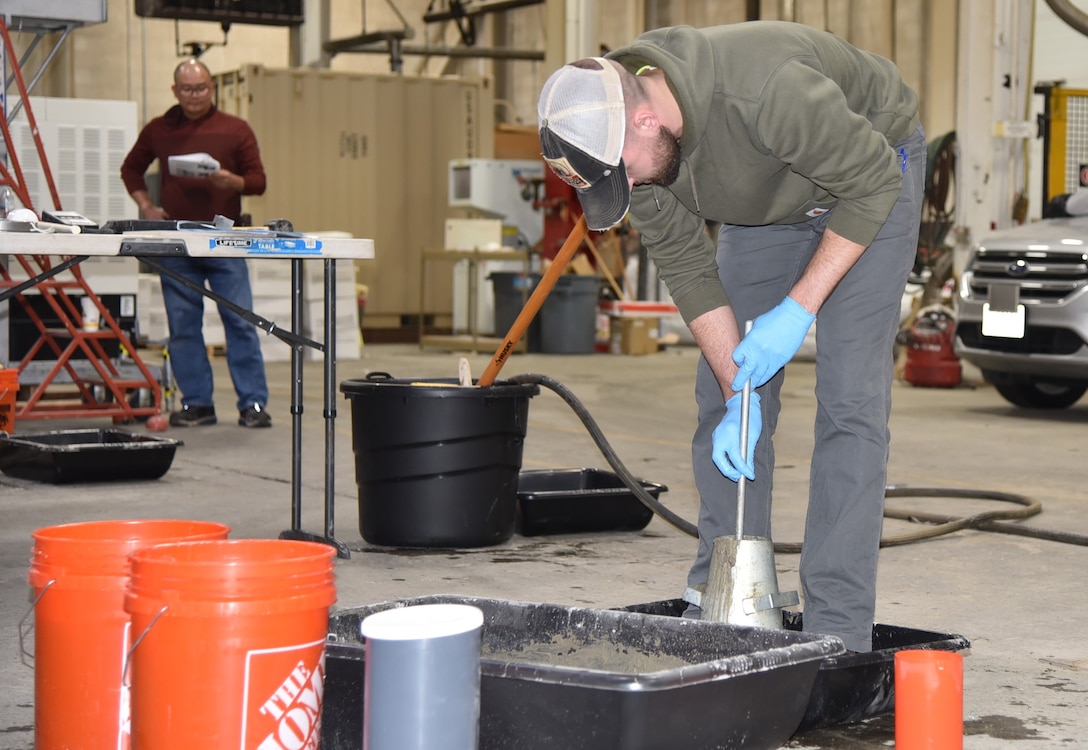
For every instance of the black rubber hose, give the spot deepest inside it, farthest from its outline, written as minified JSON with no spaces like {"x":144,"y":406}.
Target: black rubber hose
{"x":940,"y":524}
{"x":629,"y":479}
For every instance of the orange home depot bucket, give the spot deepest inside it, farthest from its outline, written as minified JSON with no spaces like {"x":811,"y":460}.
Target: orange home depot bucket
{"x":229,"y":643}
{"x":79,"y":573}
{"x":9,"y":391}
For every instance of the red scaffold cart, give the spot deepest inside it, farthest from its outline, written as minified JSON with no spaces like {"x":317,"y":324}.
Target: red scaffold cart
{"x":67,"y":371}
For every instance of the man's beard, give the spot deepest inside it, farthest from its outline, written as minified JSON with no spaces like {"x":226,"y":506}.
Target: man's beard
{"x":667,"y":153}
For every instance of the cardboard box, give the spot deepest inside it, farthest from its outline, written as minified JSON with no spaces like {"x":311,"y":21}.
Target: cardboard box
{"x":473,"y":234}
{"x":516,"y":141}
{"x":634,"y":335}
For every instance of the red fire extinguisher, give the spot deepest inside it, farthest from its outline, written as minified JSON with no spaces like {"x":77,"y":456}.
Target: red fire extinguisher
{"x":931,"y":360}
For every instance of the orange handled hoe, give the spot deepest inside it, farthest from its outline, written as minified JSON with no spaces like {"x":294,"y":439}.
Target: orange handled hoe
{"x":532,"y":305}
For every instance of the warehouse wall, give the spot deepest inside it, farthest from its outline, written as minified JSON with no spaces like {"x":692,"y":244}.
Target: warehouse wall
{"x":132,"y":58}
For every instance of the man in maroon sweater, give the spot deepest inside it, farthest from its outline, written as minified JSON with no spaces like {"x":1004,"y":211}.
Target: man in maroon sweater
{"x":195,"y":125}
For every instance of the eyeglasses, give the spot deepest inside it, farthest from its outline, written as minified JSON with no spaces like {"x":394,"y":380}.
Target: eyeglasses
{"x":193,"y":90}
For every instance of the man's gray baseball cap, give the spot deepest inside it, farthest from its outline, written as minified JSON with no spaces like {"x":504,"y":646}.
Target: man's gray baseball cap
{"x":582,"y":125}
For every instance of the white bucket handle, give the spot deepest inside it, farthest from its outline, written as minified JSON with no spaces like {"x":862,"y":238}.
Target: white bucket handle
{"x":135,"y":643}
{"x":23,"y":653}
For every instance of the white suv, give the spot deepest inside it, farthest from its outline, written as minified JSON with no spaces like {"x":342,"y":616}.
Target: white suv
{"x":1022,"y":312}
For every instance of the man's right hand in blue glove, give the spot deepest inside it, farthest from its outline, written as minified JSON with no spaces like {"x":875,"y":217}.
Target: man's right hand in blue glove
{"x":774,"y":339}
{"x":726,"y":440}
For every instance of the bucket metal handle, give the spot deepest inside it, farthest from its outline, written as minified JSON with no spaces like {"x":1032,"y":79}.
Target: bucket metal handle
{"x":135,"y":643}
{"x":23,"y":653}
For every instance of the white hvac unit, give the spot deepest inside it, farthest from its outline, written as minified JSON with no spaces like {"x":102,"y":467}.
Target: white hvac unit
{"x":85,"y":141}
{"x":502,"y":189}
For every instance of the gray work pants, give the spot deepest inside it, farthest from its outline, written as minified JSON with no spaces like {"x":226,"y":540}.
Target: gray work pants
{"x":855,"y":332}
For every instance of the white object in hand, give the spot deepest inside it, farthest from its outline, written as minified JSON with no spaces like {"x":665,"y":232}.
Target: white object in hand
{"x":192,"y":165}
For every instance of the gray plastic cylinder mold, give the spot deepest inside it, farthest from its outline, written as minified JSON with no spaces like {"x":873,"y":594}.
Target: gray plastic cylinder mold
{"x":422,"y":681}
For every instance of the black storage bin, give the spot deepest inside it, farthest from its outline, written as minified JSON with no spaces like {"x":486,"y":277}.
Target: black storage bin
{"x":437,"y":463}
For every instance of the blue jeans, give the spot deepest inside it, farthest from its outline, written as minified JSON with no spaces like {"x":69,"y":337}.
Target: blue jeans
{"x":229,"y":278}
{"x":855,"y":333}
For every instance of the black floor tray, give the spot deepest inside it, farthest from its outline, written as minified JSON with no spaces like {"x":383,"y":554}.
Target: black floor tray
{"x":573,"y":501}
{"x":849,"y":687}
{"x":86,"y":455}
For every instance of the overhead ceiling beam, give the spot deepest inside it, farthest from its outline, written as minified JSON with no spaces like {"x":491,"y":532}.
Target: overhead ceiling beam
{"x":462,"y":10}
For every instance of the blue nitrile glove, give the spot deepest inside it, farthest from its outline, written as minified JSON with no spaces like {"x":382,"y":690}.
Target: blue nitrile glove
{"x":774,"y":339}
{"x":726,"y":440}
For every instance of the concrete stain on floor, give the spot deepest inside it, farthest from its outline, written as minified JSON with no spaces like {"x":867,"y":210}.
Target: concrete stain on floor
{"x":1000,"y":728}
{"x":880,"y":732}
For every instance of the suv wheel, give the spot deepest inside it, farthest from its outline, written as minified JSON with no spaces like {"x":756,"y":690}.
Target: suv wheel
{"x":1029,"y":394}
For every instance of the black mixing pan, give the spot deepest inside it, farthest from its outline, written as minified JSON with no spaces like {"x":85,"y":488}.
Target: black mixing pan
{"x":90,"y":455}
{"x":571,"y":501}
{"x":556,"y":677}
{"x":849,"y":687}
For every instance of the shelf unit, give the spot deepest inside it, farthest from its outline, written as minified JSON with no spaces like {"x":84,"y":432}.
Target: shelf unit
{"x":473,"y":341}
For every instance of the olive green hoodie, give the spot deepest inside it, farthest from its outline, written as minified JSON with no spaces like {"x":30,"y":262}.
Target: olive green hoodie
{"x":782,"y":122}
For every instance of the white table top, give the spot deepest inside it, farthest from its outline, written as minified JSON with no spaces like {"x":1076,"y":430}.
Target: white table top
{"x":230,"y":243}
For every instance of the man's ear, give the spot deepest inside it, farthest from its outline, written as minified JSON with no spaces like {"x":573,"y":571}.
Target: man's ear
{"x":645,"y":121}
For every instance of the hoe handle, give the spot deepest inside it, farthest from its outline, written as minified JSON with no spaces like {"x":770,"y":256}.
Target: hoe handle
{"x":532,"y":305}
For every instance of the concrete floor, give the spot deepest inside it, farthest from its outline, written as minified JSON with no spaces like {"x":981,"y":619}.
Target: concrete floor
{"x":1019,"y":600}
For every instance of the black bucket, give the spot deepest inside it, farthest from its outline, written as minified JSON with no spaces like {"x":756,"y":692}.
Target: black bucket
{"x":437,"y":463}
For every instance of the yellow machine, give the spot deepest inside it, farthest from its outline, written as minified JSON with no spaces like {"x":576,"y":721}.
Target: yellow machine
{"x":1064,"y":125}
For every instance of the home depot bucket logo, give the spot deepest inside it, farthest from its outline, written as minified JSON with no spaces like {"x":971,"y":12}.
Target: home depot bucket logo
{"x":284,"y":688}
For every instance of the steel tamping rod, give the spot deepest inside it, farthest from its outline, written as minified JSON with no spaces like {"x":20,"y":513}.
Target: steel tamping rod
{"x":745,"y":406}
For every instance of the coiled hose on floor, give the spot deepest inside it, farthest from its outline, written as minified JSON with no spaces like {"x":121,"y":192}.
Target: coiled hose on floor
{"x":994,"y":520}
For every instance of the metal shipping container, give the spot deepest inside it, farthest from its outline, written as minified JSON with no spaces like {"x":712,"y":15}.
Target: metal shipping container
{"x":366,"y":154}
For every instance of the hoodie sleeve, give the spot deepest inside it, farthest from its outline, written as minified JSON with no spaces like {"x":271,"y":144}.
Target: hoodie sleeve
{"x":805,"y":121}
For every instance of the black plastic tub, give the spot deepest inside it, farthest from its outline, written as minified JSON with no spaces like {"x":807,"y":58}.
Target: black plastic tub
{"x":577,"y":678}
{"x":571,"y":501}
{"x":437,"y":463}
{"x":849,"y":687}
{"x":88,"y":455}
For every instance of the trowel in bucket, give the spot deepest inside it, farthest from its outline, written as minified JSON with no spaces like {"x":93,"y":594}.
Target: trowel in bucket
{"x":742,"y":588}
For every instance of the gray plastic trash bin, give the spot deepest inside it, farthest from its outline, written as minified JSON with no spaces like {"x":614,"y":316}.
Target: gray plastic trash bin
{"x":568,"y":317}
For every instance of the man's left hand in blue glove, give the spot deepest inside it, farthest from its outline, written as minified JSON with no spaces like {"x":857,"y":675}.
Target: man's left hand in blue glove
{"x":726,"y":440}
{"x":774,"y":339}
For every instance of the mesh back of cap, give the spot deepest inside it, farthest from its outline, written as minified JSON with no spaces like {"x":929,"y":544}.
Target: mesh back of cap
{"x":585,"y":108}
